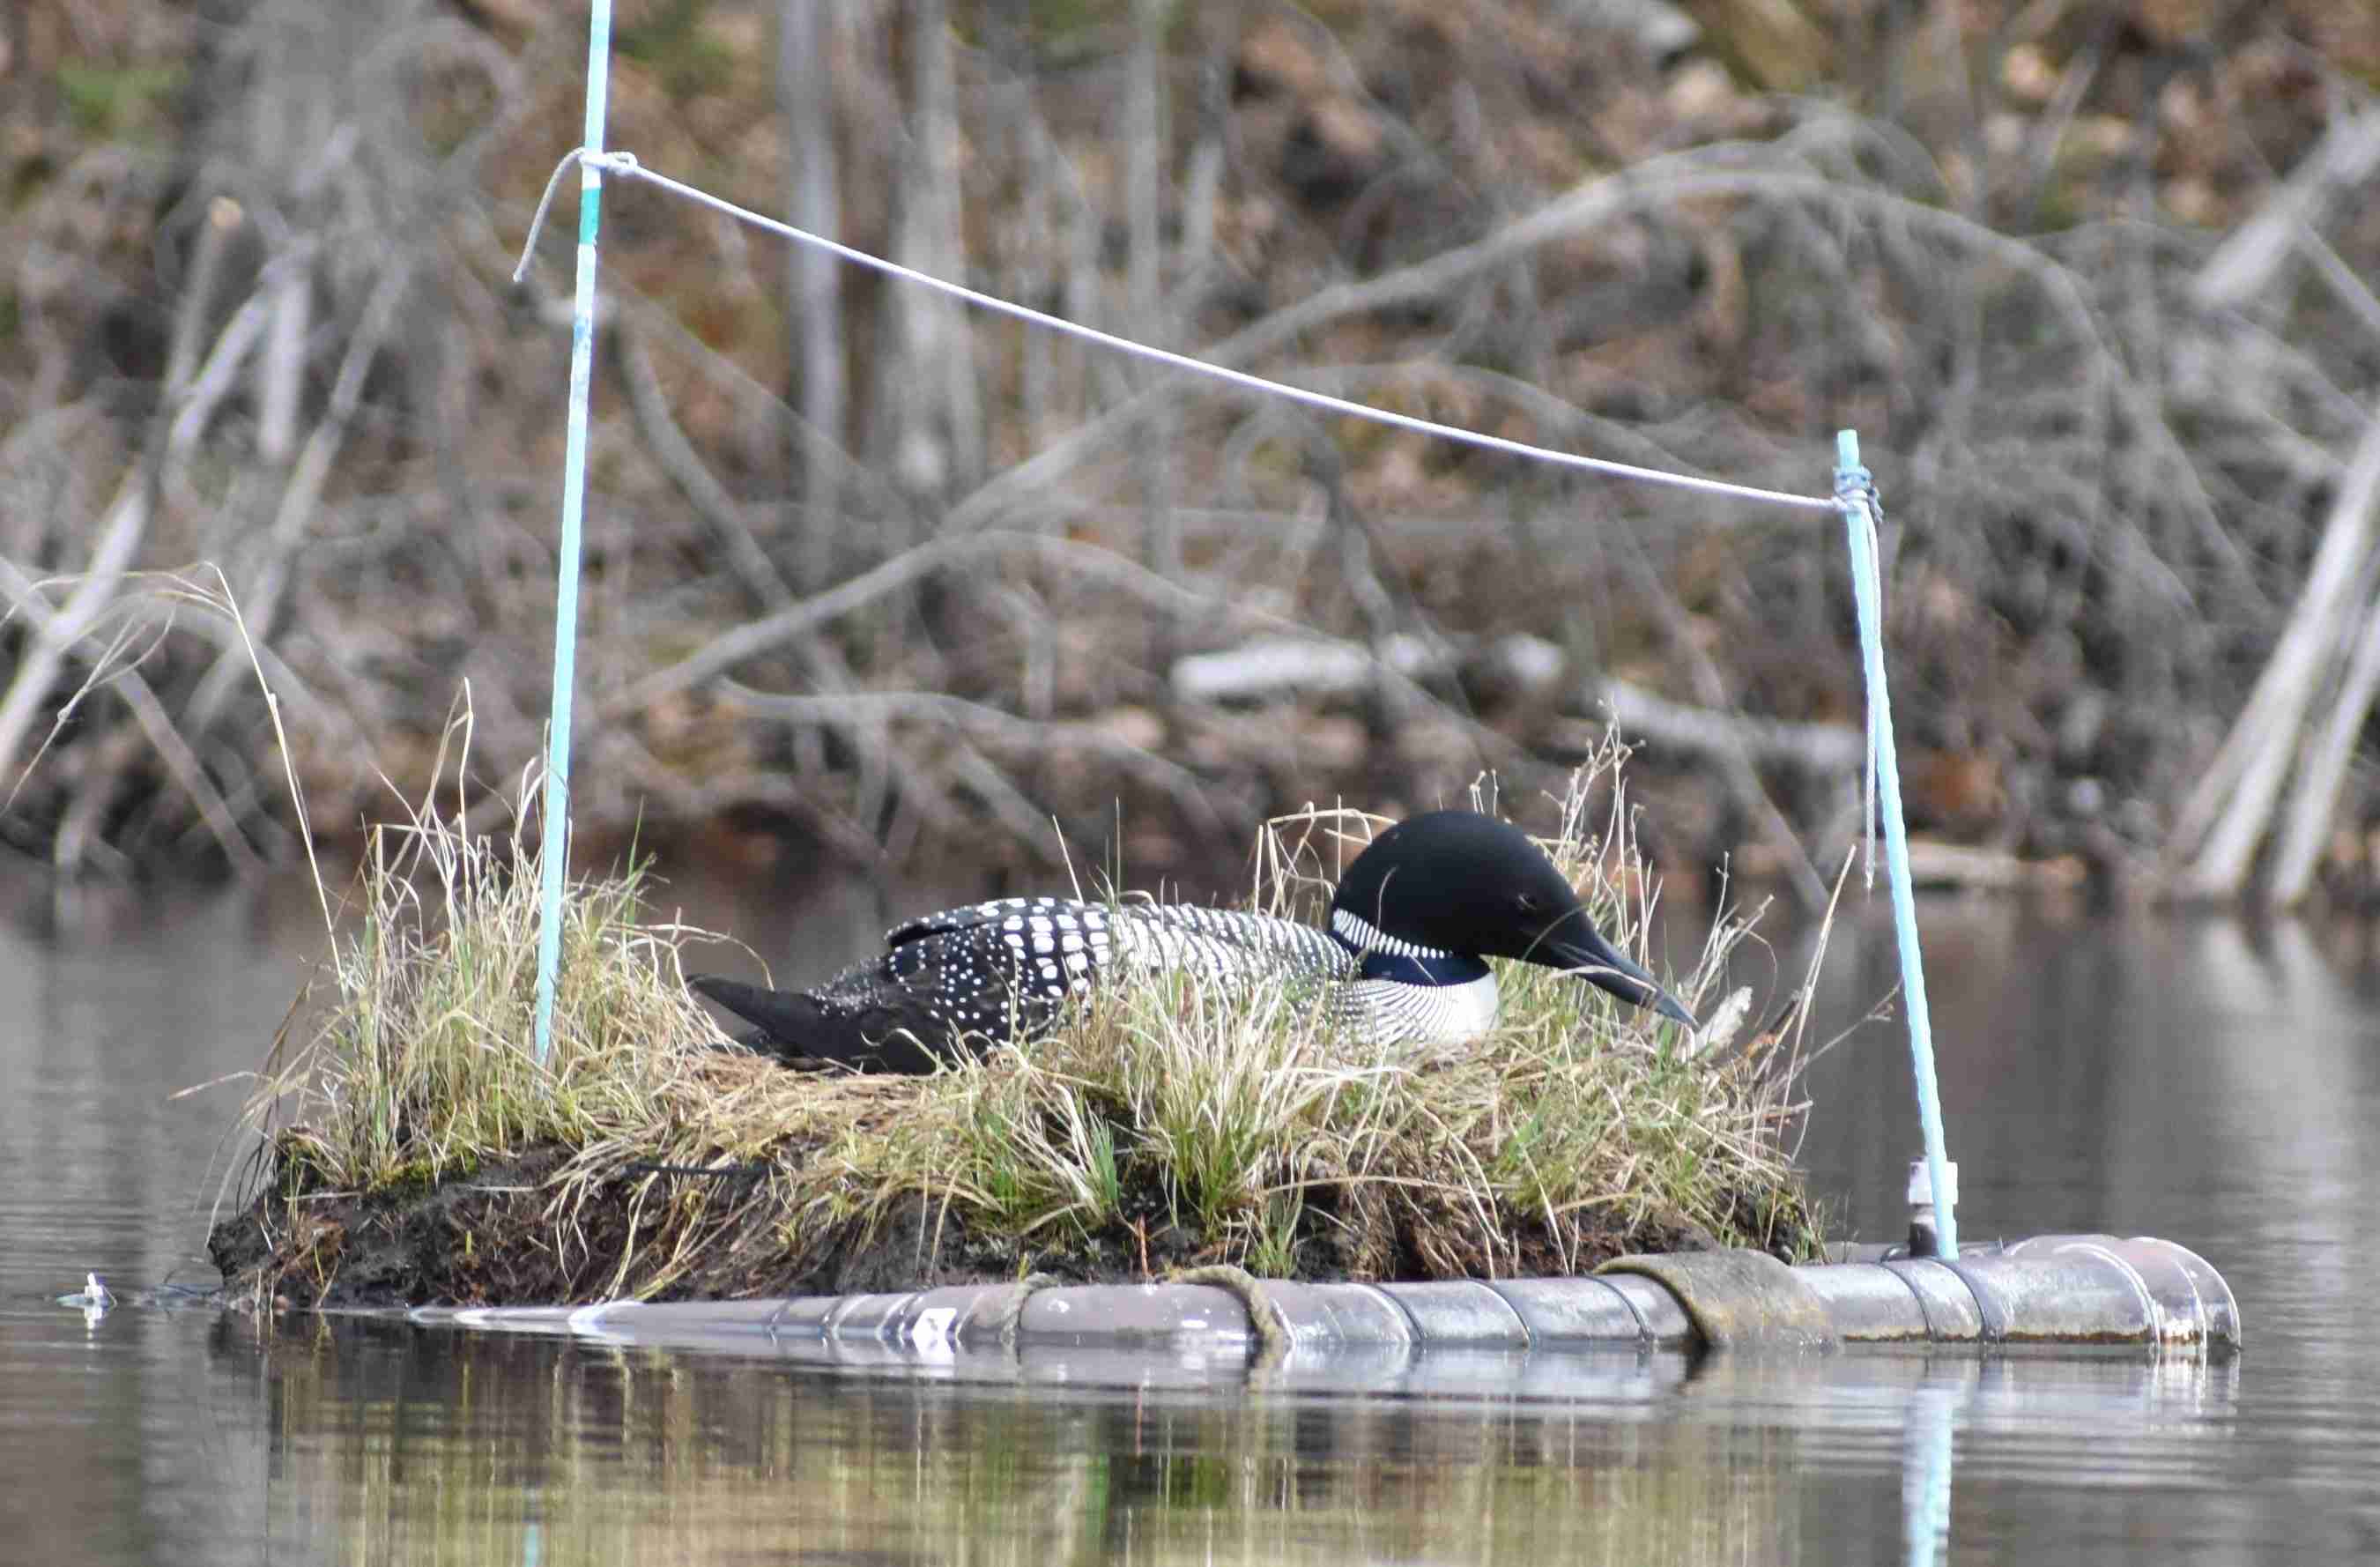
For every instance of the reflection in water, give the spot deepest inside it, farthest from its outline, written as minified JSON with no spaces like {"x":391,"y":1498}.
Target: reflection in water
{"x":623,"y":1455}
{"x":1926,"y":1473}
{"x":2201,"y":1080}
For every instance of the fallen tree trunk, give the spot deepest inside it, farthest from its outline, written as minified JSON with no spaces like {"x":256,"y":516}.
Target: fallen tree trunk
{"x":2227,"y":816}
{"x":1267,"y":667}
{"x":1814,"y":747}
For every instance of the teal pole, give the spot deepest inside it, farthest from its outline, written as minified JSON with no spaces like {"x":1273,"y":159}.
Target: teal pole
{"x":1856,"y":490}
{"x":1925,"y":1472}
{"x":556,"y":849}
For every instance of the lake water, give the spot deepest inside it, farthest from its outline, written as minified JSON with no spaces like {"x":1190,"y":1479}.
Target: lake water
{"x":2203,"y":1081}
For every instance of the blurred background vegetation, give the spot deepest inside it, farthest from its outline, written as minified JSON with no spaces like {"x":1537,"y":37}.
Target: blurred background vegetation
{"x":872,"y":576}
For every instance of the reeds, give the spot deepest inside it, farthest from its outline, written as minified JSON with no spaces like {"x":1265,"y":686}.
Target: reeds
{"x":1168,"y":1123}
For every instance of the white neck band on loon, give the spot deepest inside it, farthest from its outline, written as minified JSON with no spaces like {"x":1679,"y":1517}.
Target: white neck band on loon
{"x":1406,"y":963}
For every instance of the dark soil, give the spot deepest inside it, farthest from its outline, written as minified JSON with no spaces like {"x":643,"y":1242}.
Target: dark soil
{"x":493,"y":1238}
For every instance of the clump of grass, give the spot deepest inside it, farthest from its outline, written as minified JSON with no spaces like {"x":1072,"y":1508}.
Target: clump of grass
{"x":424,"y":1064}
{"x":1578,"y":1128}
{"x":1168,"y":1123}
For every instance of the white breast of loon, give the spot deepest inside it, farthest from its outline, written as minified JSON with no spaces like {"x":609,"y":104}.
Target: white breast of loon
{"x":1011,"y":962}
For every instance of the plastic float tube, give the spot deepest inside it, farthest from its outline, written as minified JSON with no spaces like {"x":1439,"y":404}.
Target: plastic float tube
{"x":2053,"y":1290}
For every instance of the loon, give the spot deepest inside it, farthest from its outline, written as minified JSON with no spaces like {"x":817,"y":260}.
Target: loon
{"x":1402,"y":960}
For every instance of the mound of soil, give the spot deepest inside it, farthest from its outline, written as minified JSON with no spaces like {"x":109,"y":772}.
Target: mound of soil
{"x":499,"y":1237}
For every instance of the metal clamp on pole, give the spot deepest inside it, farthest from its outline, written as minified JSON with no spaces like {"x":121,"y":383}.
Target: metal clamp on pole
{"x":1925,"y":1221}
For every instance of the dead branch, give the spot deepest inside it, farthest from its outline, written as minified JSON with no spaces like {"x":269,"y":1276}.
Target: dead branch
{"x":119,"y":540}
{"x":263,"y":601}
{"x":725,"y":651}
{"x":2241,"y":266}
{"x":1324,"y":666}
{"x":694,"y":478}
{"x":805,"y":36}
{"x":1822,"y":749}
{"x":2322,"y":775}
{"x":124,"y":678}
{"x":2228,"y":814}
{"x":1935,"y":864}
{"x":1743,"y":780}
{"x":1321,"y":666}
{"x":184,"y":767}
{"x":1182,"y":786}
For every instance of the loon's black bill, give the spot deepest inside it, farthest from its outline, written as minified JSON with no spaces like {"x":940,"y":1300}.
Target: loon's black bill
{"x":1599,"y":963}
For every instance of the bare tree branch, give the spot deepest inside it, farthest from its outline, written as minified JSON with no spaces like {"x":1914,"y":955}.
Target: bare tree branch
{"x":2225,"y":817}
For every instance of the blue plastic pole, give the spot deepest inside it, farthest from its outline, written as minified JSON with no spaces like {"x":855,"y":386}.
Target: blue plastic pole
{"x":1854,"y":488}
{"x":1926,"y":1473}
{"x":574,"y":505}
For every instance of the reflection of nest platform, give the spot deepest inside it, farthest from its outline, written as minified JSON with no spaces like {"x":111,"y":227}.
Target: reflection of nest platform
{"x":2077,"y":1290}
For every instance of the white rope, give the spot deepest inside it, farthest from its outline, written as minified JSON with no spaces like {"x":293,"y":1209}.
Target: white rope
{"x":625,"y":163}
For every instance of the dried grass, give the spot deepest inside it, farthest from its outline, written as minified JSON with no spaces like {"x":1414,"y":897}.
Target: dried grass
{"x":1231,"y":1127}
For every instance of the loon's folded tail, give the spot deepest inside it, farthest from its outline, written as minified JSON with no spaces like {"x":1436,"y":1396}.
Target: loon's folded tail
{"x":798,"y":1031}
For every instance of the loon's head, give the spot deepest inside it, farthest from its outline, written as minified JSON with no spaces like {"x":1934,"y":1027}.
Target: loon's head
{"x":1459,"y":881}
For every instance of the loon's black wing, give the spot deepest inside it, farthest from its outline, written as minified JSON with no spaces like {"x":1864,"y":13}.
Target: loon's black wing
{"x":971,"y":977}
{"x":965,"y":979}
{"x":798,"y":1029}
